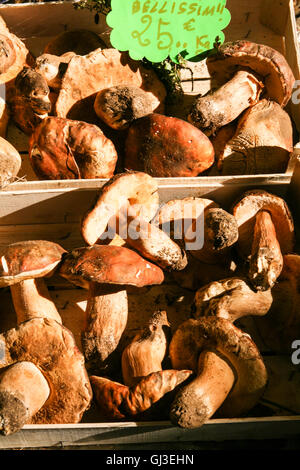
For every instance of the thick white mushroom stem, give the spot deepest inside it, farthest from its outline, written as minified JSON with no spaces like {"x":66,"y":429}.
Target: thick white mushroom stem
{"x":266,"y":260}
{"x":105,"y":320}
{"x":31,"y":299}
{"x":199,"y":400}
{"x":219,"y":108}
{"x":23,"y":391}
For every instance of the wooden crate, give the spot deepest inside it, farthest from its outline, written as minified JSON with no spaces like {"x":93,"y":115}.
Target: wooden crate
{"x":37,"y":23}
{"x":54,"y":214}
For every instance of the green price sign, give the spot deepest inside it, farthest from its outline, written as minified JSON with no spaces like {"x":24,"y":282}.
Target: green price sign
{"x":158,"y":29}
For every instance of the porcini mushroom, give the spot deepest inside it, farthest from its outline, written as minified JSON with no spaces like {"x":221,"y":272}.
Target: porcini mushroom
{"x":119,"y":106}
{"x":23,"y":265}
{"x":58,"y":370}
{"x":134,"y":189}
{"x":231,"y":375}
{"x":262,"y":142}
{"x":106,"y":271}
{"x":65,"y":149}
{"x":231,"y":299}
{"x":100,"y":69}
{"x":266,"y":232}
{"x":164,"y":146}
{"x":29,"y":100}
{"x":146,"y":352}
{"x":117,"y":401}
{"x":10,"y":162}
{"x":244,"y":72}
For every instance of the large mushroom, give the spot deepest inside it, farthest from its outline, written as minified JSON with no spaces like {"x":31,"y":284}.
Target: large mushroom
{"x":231,"y":375}
{"x":78,"y":41}
{"x":132,"y":189}
{"x":23,"y":265}
{"x":43,"y":380}
{"x":262,"y":142}
{"x":29,"y":100}
{"x":61,"y":148}
{"x":164,"y":146}
{"x":106,"y":271}
{"x":266,"y":233}
{"x":244,"y":72}
{"x":119,"y":204}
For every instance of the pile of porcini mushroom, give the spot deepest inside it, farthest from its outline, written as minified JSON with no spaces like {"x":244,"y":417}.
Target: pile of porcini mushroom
{"x":91,"y":111}
{"x":237,"y":262}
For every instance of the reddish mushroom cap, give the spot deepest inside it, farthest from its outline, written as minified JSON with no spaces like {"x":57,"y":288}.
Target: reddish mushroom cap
{"x":109,"y":264}
{"x":28,"y":259}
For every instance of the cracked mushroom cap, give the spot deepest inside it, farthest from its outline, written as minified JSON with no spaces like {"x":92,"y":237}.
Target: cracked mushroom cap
{"x":10,"y":162}
{"x":109,"y":265}
{"x":263,"y":60}
{"x":220,"y":335}
{"x":51,"y":347}
{"x":65,"y":149}
{"x":135,"y":189}
{"x":245,"y":211}
{"x":27,"y":260}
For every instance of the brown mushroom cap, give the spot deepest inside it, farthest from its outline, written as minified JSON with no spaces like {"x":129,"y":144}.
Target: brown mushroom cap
{"x":268,"y":63}
{"x":220,"y":335}
{"x":135,"y":189}
{"x":245,"y":211}
{"x":109,"y":265}
{"x":27,"y":260}
{"x":80,"y":41}
{"x":51,"y":347}
{"x":165,"y":146}
{"x":65,"y":149}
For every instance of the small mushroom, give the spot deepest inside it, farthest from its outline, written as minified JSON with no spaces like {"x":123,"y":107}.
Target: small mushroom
{"x":65,"y":149}
{"x":10,"y":162}
{"x":136,"y":190}
{"x":231,"y":299}
{"x":106,"y":271}
{"x":266,"y":232}
{"x":117,"y":401}
{"x":119,"y":106}
{"x":164,"y":146}
{"x":29,"y":100}
{"x":231,"y":375}
{"x":262,"y":143}
{"x":146,"y":352}
{"x":244,"y":72}
{"x":54,"y":356}
{"x":100,"y":69}
{"x":23,"y":265}
{"x":79,"y":41}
